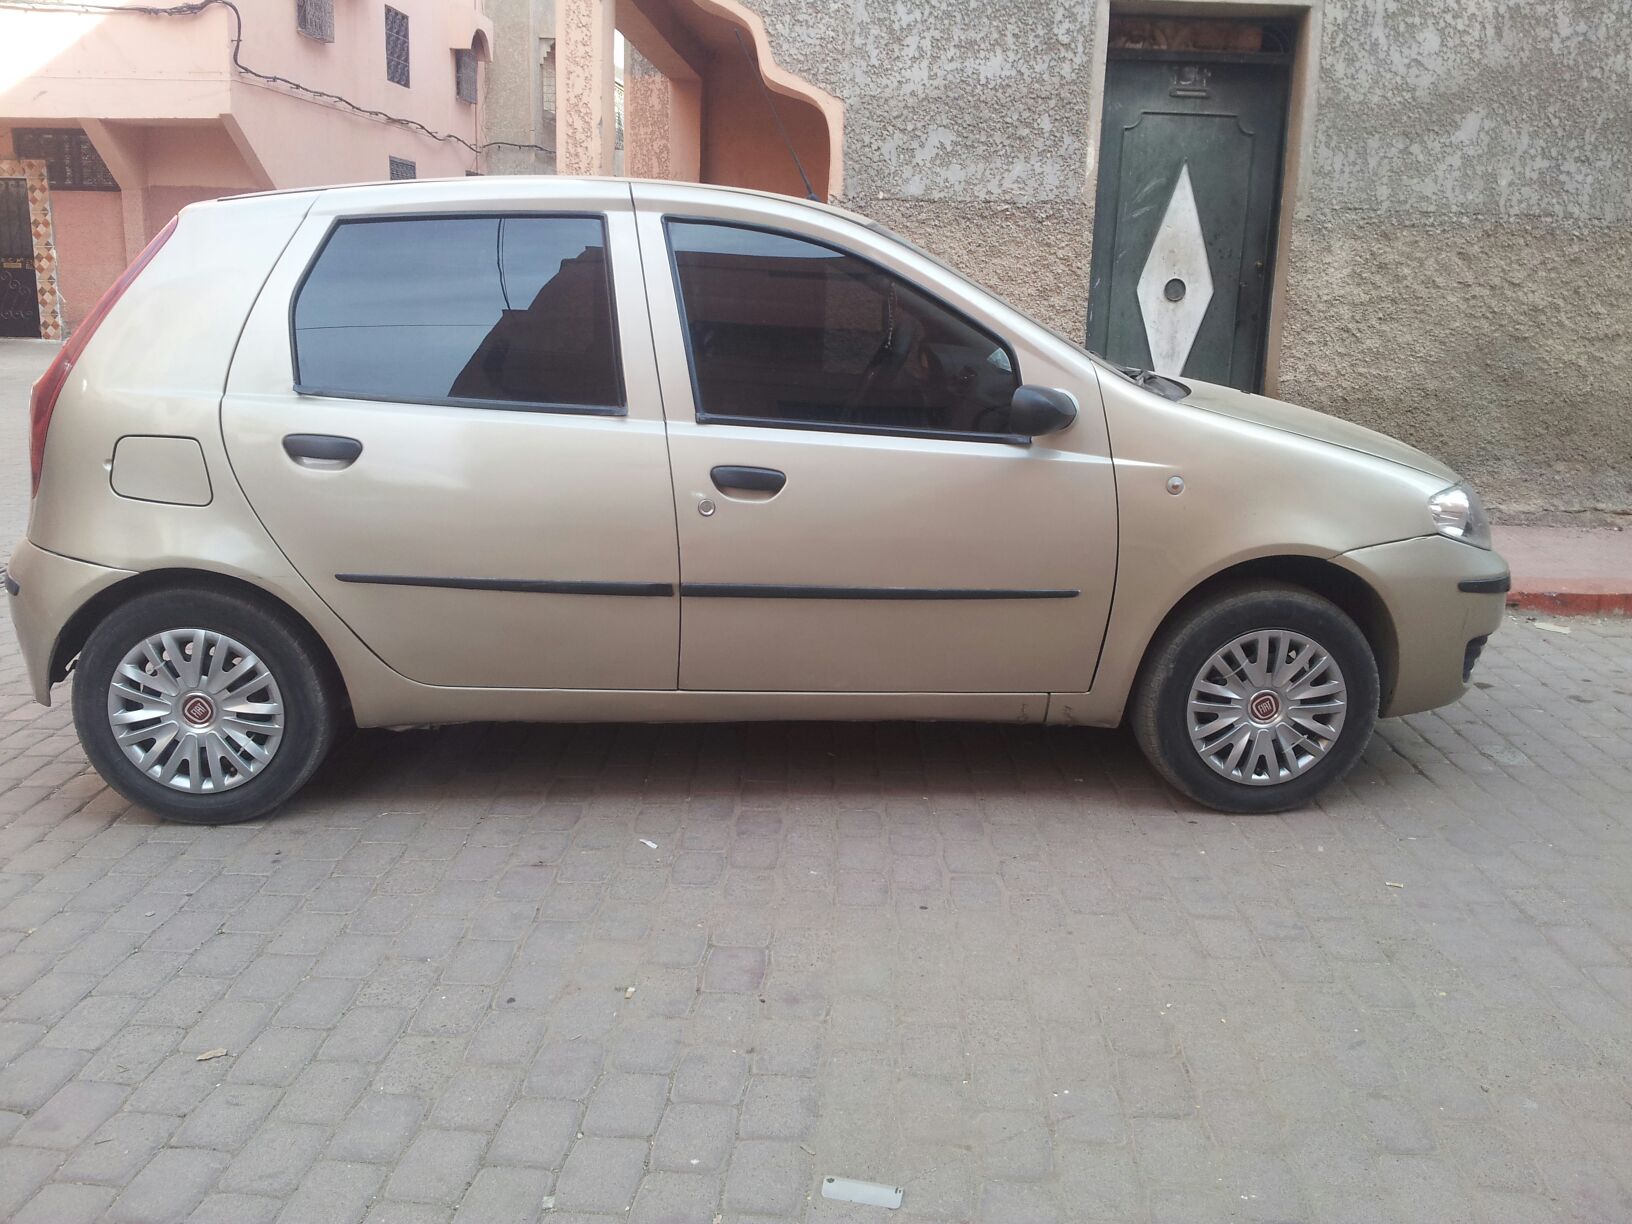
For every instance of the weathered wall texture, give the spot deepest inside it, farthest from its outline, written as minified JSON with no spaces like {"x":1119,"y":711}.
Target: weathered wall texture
{"x":1462,"y":249}
{"x":585,"y":119}
{"x":646,"y":113}
{"x":965,"y":129}
{"x":518,"y":94}
{"x":1462,"y":240}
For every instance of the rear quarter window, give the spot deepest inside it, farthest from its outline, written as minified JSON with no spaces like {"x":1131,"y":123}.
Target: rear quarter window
{"x":490,"y":311}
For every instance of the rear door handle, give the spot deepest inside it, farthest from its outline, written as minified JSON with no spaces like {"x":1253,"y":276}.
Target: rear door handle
{"x":749,"y":480}
{"x":322,"y":450}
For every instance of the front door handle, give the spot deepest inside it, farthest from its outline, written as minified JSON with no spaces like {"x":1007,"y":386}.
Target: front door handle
{"x":749,"y":480}
{"x":322,"y":450}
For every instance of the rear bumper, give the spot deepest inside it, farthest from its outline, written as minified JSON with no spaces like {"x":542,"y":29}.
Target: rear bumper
{"x":44,"y":591}
{"x":1441,"y":596}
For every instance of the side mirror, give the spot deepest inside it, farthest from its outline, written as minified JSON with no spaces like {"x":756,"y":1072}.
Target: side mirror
{"x":1040,"y":410}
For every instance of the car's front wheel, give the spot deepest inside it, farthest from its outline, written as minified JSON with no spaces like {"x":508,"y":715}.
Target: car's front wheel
{"x":1257,"y":699}
{"x":202,"y":706}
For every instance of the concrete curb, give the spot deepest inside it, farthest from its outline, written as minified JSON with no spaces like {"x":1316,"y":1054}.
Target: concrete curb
{"x":1569,"y":571}
{"x":1572,"y":603}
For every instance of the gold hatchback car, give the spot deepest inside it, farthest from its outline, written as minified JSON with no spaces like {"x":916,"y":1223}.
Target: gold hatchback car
{"x":587,"y":449}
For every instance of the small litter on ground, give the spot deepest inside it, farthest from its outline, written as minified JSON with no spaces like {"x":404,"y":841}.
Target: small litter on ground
{"x":869,"y":1194}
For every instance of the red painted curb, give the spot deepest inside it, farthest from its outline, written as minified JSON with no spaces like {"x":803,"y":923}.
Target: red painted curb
{"x":1573,"y":603}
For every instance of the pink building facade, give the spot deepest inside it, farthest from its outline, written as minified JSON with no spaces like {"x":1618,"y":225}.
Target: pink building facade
{"x":110,"y":123}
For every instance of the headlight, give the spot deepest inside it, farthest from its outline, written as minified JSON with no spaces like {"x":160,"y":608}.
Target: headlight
{"x":1460,"y":514}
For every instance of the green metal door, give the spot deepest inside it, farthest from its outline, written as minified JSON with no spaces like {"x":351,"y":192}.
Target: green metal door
{"x":1189,"y":175}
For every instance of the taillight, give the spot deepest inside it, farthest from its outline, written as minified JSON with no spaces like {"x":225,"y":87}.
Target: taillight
{"x":44,"y":400}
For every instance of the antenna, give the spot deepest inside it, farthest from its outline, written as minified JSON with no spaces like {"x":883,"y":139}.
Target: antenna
{"x":810,"y":192}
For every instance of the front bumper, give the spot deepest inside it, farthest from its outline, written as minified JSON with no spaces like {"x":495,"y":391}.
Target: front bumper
{"x":45,"y":590}
{"x":1441,"y":596}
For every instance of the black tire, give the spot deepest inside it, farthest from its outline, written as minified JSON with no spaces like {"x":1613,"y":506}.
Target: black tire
{"x":1159,"y":709}
{"x":287,"y":649}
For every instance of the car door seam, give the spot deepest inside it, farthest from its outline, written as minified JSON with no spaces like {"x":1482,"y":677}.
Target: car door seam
{"x":668,"y":449}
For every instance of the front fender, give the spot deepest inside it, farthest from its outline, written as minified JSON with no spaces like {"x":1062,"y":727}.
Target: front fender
{"x":1245,"y":491}
{"x":1420,"y":582}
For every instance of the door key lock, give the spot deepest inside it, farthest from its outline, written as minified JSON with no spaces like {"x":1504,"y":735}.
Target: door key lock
{"x":705,"y":507}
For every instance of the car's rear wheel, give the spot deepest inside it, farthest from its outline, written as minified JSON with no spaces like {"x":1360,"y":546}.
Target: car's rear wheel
{"x":202,"y":706}
{"x":1257,"y":699}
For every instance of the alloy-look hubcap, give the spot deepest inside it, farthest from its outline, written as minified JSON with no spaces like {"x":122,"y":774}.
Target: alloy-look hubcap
{"x":195,"y":710}
{"x":1266,"y":707}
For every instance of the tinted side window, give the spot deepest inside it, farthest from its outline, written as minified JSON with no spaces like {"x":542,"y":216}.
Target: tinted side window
{"x":786,"y":330}
{"x":508,"y":310}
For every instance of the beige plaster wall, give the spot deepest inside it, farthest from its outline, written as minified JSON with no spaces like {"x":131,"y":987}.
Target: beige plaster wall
{"x":648,"y":112}
{"x":1463,"y":240}
{"x":518,"y":88}
{"x":965,"y":129}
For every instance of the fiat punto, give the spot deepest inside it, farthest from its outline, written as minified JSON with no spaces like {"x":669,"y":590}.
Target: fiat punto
{"x":586,"y":450}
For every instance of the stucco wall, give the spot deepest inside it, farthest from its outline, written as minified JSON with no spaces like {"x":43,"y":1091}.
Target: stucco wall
{"x":646,"y":115}
{"x":1463,"y":242}
{"x":740,"y":140}
{"x":515,"y":102}
{"x":1462,"y":236}
{"x":965,"y":129}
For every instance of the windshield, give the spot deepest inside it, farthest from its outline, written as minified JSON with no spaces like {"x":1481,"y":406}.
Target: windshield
{"x":1149,"y":380}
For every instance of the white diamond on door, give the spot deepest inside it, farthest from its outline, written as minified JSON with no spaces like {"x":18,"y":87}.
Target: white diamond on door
{"x":1176,"y":283}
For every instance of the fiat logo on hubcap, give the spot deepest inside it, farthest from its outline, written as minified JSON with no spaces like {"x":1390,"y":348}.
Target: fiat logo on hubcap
{"x":1265,"y":706}
{"x":198,"y":710}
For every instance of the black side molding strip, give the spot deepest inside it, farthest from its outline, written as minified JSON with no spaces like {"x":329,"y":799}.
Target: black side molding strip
{"x":525,"y":586}
{"x":704,"y":590}
{"x":738,"y":590}
{"x":11,"y":583}
{"x":1486,"y":586}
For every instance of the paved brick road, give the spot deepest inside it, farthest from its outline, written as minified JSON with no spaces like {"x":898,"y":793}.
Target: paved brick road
{"x":997,"y":967}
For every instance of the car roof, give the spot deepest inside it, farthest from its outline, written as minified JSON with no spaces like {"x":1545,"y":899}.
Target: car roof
{"x":479,"y":185}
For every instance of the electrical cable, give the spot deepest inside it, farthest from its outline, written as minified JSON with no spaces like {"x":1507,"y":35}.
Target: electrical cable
{"x":198,"y":6}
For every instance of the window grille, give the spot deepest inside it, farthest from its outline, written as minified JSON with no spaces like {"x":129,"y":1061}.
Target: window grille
{"x":315,"y":19}
{"x":396,"y":46}
{"x":71,"y":160}
{"x":402,"y":168}
{"x":464,"y":75}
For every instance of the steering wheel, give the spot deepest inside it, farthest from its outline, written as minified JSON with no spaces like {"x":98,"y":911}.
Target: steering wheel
{"x":891,"y":355}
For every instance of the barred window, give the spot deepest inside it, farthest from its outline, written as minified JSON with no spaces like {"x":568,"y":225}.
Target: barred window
{"x":464,"y":75}
{"x":396,"y":46}
{"x":402,"y":168}
{"x":315,"y":19}
{"x":71,"y":160}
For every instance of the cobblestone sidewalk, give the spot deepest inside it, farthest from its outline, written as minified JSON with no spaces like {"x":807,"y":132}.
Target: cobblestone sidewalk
{"x":633,"y":974}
